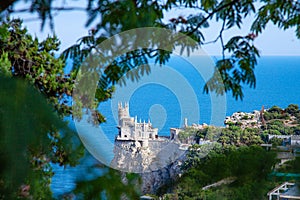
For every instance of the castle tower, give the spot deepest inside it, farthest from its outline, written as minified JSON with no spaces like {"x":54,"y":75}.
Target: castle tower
{"x":123,"y":112}
{"x":130,"y":129}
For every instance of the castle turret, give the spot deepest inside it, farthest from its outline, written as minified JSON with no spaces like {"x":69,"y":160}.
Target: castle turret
{"x":123,"y":113}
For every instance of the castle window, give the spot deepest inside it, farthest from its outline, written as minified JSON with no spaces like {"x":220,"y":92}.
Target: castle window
{"x":125,"y":135}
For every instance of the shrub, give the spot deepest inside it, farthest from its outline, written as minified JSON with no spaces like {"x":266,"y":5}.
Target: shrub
{"x":275,"y":109}
{"x":276,"y":141}
{"x":292,"y":109}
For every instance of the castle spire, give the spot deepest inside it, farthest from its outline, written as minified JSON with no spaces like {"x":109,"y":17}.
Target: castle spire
{"x":126,"y":108}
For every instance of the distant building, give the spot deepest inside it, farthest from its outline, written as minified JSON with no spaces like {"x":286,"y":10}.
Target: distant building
{"x":142,"y":133}
{"x":292,"y":140}
{"x":130,"y":129}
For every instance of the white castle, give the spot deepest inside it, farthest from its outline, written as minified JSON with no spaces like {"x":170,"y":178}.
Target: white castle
{"x":131,"y":129}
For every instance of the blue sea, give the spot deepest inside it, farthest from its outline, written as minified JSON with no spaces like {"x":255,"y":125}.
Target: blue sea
{"x":167,"y":103}
{"x":173,"y":92}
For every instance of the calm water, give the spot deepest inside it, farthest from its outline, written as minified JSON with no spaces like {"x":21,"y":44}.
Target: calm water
{"x":277,"y":83}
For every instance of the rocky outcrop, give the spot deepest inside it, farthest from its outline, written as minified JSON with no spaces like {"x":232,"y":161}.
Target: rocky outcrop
{"x":153,"y":181}
{"x":244,"y":119}
{"x":158,"y":164}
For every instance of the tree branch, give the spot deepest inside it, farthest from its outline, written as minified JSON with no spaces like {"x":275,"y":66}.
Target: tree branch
{"x":221,"y":39}
{"x":210,"y":15}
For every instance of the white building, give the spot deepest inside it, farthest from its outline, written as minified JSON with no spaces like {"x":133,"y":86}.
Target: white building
{"x":130,"y":129}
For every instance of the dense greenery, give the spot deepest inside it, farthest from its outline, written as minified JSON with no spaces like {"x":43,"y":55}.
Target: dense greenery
{"x":232,"y":135}
{"x":236,"y":159}
{"x":109,"y":186}
{"x":32,"y":132}
{"x":25,"y":147}
{"x":282,"y":121}
{"x":275,"y":112}
{"x":248,"y":168}
{"x":292,"y":166}
{"x":36,"y":62}
{"x":278,"y":121}
{"x":32,"y":135}
{"x":237,"y":136}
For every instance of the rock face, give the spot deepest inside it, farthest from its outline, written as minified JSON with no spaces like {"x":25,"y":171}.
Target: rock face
{"x":152,"y":181}
{"x":158,"y":163}
{"x":139,"y":149}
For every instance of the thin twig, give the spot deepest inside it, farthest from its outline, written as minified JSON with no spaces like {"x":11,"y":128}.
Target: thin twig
{"x":212,"y":41}
{"x":210,"y":15}
{"x":221,"y":38}
{"x":206,"y":18}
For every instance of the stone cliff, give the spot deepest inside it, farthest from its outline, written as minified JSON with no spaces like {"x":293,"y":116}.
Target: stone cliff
{"x":157,"y":164}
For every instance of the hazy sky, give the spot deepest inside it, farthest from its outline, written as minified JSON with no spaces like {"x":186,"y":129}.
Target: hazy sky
{"x":70,"y":26}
